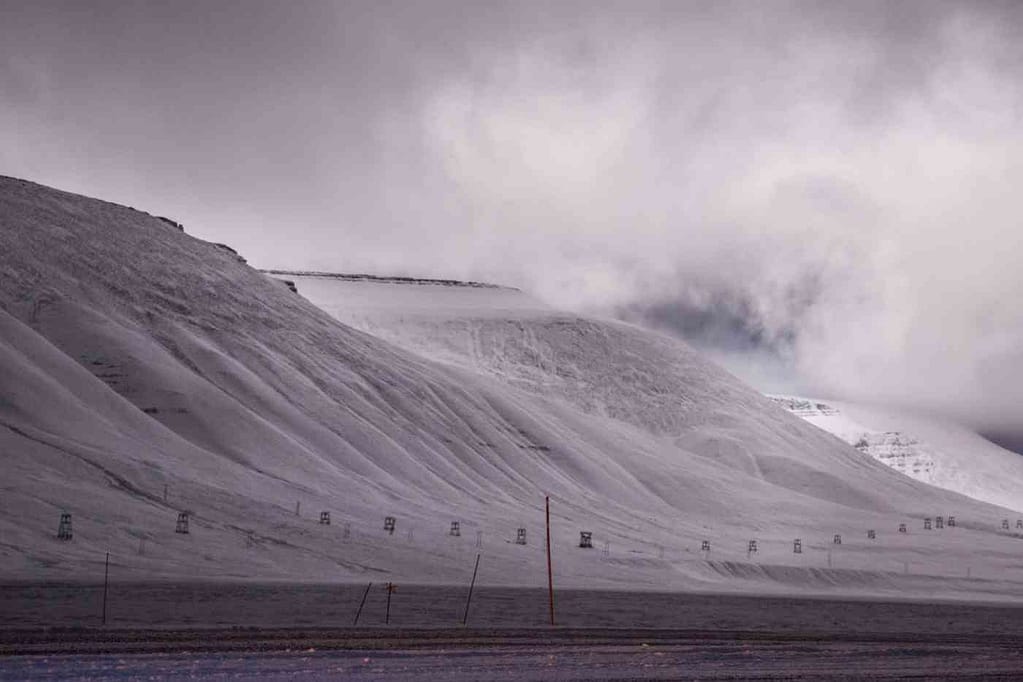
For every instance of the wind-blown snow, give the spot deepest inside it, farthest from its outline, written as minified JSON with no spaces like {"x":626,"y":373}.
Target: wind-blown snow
{"x":134,"y":357}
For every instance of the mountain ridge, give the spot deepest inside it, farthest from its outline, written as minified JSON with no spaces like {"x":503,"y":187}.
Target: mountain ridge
{"x":387,"y":279}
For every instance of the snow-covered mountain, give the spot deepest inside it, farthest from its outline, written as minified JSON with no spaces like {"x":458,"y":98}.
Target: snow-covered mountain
{"x":605,"y":368}
{"x":145,"y":373}
{"x":936,"y":451}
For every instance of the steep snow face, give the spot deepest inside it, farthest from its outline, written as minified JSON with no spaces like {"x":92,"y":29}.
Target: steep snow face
{"x":610,"y":370}
{"x":933,"y":451}
{"x":145,"y":373}
{"x":605,"y":369}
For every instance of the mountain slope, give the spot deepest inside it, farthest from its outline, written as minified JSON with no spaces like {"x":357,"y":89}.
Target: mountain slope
{"x":146,"y":373}
{"x":603,"y":368}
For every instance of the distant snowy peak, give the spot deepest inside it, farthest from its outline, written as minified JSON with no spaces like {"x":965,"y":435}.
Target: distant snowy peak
{"x":925,"y":448}
{"x":358,"y":277}
{"x":898,"y":450}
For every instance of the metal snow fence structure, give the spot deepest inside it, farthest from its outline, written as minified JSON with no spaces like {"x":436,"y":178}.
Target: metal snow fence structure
{"x":586,"y":540}
{"x":64,"y":527}
{"x":586,"y":537}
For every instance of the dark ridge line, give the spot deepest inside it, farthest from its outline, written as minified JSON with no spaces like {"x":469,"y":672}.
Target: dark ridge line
{"x":298,"y":273}
{"x":396,"y":279}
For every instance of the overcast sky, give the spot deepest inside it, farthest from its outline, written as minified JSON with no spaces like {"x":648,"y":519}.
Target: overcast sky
{"x":826,"y":193}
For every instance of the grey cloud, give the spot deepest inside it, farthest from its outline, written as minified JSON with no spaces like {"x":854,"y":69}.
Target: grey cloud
{"x":825,"y":189}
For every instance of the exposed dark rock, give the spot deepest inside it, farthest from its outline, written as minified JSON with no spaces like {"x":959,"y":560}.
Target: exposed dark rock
{"x":171,"y":222}
{"x":390,"y":280}
{"x":225,"y":247}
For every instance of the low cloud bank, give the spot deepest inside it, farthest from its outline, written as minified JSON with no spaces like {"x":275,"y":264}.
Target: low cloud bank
{"x":824,"y":195}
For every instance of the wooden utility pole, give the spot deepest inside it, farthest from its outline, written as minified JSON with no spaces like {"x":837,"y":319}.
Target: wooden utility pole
{"x":465,"y":618}
{"x":106,"y":580}
{"x":362,"y":603}
{"x":550,"y":572}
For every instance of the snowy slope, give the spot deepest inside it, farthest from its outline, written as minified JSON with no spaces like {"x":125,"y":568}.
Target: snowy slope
{"x":934,"y":451}
{"x":144,"y":373}
{"x":603,"y":368}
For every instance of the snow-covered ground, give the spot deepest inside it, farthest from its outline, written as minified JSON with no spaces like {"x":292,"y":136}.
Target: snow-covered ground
{"x":144,"y":373}
{"x":929,"y":449}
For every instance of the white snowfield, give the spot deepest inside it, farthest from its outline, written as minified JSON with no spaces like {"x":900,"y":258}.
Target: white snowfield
{"x":938,"y":452}
{"x":144,"y":373}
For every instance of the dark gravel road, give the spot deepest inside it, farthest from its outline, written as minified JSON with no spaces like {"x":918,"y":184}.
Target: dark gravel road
{"x":709,"y":660}
{"x":267,"y":632}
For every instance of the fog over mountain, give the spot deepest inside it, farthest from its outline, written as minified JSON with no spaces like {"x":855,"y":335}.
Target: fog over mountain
{"x":823,"y":195}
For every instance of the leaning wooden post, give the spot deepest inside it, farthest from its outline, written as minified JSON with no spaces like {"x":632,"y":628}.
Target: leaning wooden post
{"x":387,"y":614}
{"x":465,"y":618}
{"x":106,"y":578}
{"x":361,"y":604}
{"x":550,"y":572}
